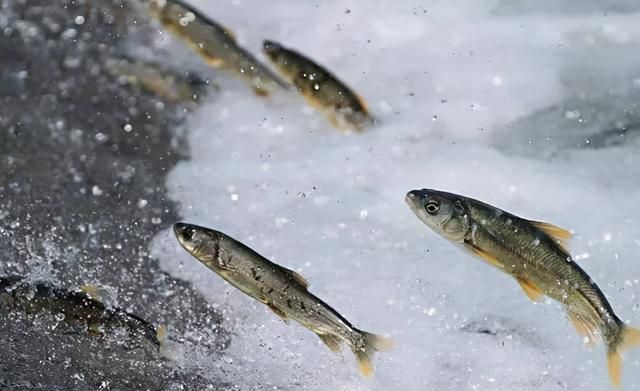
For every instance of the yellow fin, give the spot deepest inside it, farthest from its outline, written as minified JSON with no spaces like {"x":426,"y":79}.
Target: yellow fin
{"x":585,"y":328}
{"x":364,"y":364}
{"x":614,"y":362}
{"x":261,"y":91}
{"x":161,"y":333}
{"x":278,"y":312}
{"x":630,"y":338}
{"x":363,"y":103}
{"x":331,"y":341}
{"x":560,"y":235}
{"x":161,"y":337}
{"x":214,"y":62}
{"x":491,"y":259}
{"x":373,"y":343}
{"x":92,"y":291}
{"x":533,"y":292}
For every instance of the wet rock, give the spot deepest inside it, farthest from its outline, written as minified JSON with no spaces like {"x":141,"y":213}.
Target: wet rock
{"x":84,"y":158}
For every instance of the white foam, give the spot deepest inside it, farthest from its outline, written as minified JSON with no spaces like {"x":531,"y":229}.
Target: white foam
{"x":276,"y":176}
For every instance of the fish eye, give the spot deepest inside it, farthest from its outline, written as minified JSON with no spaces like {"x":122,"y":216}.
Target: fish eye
{"x":187,"y":234}
{"x":432,"y":207}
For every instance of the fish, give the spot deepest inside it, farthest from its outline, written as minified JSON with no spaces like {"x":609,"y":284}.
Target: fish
{"x":78,"y":310}
{"x":215,"y":43}
{"x":345,"y":110}
{"x":283,"y":290}
{"x":537,"y":255}
{"x":158,"y":80}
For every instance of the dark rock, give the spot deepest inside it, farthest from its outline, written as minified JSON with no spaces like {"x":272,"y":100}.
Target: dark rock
{"x":81,"y":198}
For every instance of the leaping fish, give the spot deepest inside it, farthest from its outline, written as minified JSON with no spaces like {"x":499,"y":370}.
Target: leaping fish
{"x":284,"y":291}
{"x":536,"y":254}
{"x":215,"y":44}
{"x":322,"y":90}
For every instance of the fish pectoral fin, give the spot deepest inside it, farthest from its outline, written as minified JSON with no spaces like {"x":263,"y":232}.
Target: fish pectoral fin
{"x":278,"y":312}
{"x":489,"y":258}
{"x":560,"y":235}
{"x":261,"y":91}
{"x":214,"y":62}
{"x":297,"y":277}
{"x":332,"y":342}
{"x":533,"y":292}
{"x":585,"y":328}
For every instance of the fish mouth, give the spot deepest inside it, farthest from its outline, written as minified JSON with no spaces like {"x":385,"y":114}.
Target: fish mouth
{"x":184,"y":232}
{"x":271,"y":47}
{"x":414,"y":196}
{"x":180,"y":228}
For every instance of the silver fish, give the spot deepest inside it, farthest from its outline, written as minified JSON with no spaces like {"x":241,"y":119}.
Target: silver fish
{"x":536,"y":254}
{"x":215,"y":44}
{"x":284,"y":291}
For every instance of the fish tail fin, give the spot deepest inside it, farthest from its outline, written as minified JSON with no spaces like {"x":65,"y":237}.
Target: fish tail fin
{"x":629,"y":337}
{"x":161,"y":336}
{"x":372,"y":344}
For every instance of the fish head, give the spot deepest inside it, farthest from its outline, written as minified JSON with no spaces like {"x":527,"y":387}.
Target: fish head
{"x":443,"y":212}
{"x":196,"y":240}
{"x":281,"y":59}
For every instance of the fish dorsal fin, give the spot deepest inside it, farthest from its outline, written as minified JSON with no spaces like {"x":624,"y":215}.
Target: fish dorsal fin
{"x":92,"y":291}
{"x":298,"y":278}
{"x":229,"y":33}
{"x":363,"y":104}
{"x":489,"y":258}
{"x":332,"y":342}
{"x":533,"y":292}
{"x":560,"y":235}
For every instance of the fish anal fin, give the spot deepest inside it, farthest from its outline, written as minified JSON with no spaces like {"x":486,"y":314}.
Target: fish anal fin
{"x":585,"y":328}
{"x":332,"y":342}
{"x":530,"y":289}
{"x":489,"y":258}
{"x":560,"y":235}
{"x":278,"y":312}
